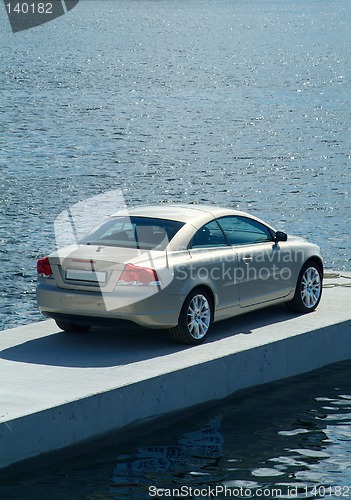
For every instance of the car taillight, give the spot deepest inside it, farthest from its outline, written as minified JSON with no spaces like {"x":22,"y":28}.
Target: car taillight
{"x":135,"y":275}
{"x":43,"y":266}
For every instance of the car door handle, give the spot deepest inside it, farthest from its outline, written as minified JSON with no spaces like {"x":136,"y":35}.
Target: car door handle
{"x":247,"y":258}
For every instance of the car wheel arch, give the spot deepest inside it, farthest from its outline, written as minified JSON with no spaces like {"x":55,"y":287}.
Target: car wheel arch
{"x":316,"y":261}
{"x":194,"y":324}
{"x":304,"y":291}
{"x":206,"y":288}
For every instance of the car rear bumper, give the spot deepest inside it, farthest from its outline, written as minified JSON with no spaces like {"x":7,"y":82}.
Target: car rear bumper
{"x":90,"y":320}
{"x":159,"y":310}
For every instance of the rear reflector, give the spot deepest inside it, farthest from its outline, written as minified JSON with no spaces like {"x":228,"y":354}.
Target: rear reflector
{"x":43,"y":266}
{"x":135,"y":275}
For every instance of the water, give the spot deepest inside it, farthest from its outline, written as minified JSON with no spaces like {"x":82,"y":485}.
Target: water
{"x":242,"y":104}
{"x":239,"y":103}
{"x":290,"y":439}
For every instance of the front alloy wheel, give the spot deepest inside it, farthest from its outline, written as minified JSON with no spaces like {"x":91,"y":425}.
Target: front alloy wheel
{"x":195,"y":319}
{"x":308,"y":289}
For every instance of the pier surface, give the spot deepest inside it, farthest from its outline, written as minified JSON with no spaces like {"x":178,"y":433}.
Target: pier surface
{"x":60,"y":389}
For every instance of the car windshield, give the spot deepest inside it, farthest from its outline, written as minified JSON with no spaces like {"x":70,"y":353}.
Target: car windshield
{"x":133,"y":232}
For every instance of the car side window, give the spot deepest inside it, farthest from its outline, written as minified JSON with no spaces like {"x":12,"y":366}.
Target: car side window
{"x":244,"y":231}
{"x":209,"y":235}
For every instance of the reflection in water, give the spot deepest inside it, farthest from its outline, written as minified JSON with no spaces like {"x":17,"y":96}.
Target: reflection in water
{"x":290,"y":439}
{"x":287,"y":441}
{"x":245,"y":104}
{"x":194,"y":458}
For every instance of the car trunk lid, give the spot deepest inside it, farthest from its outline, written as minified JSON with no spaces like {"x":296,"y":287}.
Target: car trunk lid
{"x":92,"y":267}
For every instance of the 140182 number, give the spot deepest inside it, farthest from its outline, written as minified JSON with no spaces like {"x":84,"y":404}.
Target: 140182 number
{"x":330,"y":491}
{"x":30,"y":8}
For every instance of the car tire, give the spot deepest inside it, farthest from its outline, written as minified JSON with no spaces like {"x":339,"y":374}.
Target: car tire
{"x":195,"y":318}
{"x":72,"y":327}
{"x":308,"y":290}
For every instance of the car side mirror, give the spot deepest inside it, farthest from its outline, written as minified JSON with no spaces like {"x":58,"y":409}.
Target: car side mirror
{"x":280,"y":236}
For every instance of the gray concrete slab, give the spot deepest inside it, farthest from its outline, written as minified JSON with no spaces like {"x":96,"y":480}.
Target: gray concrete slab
{"x":59,"y":389}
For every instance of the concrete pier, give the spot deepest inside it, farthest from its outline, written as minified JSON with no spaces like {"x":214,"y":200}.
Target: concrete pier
{"x":59,"y":389}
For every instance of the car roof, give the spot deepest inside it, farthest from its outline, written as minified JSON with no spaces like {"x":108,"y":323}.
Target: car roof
{"x":179,"y":212}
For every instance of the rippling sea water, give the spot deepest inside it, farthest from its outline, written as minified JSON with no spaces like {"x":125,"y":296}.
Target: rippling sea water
{"x":289,"y":440}
{"x":239,"y":103}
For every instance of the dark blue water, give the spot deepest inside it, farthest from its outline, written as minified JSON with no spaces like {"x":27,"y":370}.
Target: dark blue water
{"x":239,"y":103}
{"x":290,"y":439}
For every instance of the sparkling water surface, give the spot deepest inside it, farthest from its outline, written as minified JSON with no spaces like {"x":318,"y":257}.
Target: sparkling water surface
{"x":238,"y":103}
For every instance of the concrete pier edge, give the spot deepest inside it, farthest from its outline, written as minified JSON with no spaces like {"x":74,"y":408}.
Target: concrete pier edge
{"x":58,"y":390}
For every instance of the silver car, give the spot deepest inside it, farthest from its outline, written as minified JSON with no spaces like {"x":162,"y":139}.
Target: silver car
{"x":179,"y":267}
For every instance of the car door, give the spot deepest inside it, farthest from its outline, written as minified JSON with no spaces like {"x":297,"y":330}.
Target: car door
{"x":213,"y":261}
{"x":262,"y":273}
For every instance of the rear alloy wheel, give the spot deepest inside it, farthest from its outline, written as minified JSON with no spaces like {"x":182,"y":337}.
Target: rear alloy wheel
{"x":195,"y":319}
{"x":72,"y":327}
{"x":308,"y":291}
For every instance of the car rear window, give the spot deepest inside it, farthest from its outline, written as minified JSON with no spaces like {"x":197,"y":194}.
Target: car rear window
{"x":134,"y":232}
